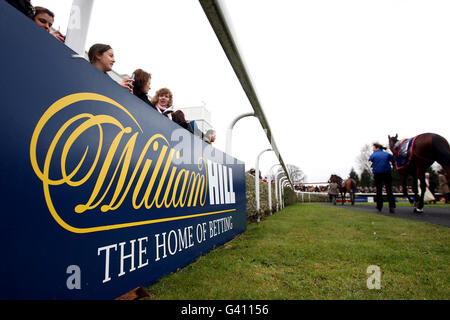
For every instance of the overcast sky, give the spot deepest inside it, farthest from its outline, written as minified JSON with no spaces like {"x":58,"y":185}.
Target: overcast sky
{"x":330,"y":75}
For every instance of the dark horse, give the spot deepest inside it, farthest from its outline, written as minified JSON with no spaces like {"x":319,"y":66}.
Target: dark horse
{"x":427,"y":148}
{"x":348,"y":185}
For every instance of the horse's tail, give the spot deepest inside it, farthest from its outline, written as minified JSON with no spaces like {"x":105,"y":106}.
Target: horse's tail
{"x":441,"y":149}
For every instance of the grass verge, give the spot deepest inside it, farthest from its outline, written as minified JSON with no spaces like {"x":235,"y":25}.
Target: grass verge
{"x":310,"y":251}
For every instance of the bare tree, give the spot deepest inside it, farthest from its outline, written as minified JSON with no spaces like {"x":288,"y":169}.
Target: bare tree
{"x":296,"y":174}
{"x":363,"y":159}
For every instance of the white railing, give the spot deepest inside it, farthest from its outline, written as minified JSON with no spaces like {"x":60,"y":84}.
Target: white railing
{"x":217,"y":18}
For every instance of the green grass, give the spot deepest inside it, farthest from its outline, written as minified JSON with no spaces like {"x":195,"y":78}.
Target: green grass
{"x":310,"y":251}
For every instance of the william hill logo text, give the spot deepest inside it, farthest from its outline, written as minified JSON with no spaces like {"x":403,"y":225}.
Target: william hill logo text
{"x":101,"y":165}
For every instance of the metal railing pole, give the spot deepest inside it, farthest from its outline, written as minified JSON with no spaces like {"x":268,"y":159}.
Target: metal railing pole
{"x":280,"y":187}
{"x":270,"y":187}
{"x":277,"y":181}
{"x":229,"y":137}
{"x":257,"y":179}
{"x":286,"y":183}
{"x":216,"y":15}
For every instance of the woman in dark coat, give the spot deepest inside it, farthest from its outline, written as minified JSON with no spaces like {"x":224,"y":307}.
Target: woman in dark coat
{"x":142,"y":80}
{"x":163,"y":101}
{"x":178,"y":117}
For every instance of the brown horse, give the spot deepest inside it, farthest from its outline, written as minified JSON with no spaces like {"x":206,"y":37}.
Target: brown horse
{"x":348,"y":185}
{"x":427,"y":148}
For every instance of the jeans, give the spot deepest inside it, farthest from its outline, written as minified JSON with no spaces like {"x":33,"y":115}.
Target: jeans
{"x":386,"y":179}
{"x":332,"y":198}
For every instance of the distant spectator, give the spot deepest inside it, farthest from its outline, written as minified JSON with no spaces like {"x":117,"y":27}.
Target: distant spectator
{"x":443,"y":185}
{"x":142,"y":80}
{"x":431,"y":183}
{"x":178,"y":117}
{"x":333,"y":192}
{"x":102,"y":57}
{"x":210,"y":136}
{"x":45,"y":18}
{"x":23,"y":6}
{"x":163,"y":100}
{"x":429,"y":196}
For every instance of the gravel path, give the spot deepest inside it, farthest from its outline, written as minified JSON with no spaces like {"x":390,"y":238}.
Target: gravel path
{"x":436,"y":215}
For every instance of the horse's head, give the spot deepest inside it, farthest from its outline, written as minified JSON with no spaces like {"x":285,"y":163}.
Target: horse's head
{"x":335,"y":178}
{"x":392,"y":141}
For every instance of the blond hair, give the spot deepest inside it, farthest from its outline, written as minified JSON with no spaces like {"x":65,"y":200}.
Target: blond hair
{"x":161,"y":92}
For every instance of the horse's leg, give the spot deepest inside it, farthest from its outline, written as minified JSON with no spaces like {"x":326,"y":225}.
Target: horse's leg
{"x":423,"y":187}
{"x":422,"y":165}
{"x":352,"y":195}
{"x":343,"y":196}
{"x":353,"y":187}
{"x":403,"y":178}
{"x":415,"y":191}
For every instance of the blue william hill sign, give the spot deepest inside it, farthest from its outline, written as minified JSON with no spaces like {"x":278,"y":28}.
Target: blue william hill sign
{"x":101,"y":193}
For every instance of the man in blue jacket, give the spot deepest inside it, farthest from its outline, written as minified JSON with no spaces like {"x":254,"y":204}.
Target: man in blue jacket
{"x":381,"y":167}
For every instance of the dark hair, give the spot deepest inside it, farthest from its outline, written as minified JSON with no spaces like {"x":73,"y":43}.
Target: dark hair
{"x":39,"y":10}
{"x":178,"y":117}
{"x":97,"y":48}
{"x":23,"y":6}
{"x":379,"y":146}
{"x":140,"y":78}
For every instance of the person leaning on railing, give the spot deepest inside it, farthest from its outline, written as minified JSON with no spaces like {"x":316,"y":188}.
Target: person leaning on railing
{"x":178,"y":117}
{"x":45,"y":18}
{"x":210,"y":136}
{"x":23,"y":6}
{"x":163,"y":102}
{"x":142,"y":82}
{"x":101,"y":56}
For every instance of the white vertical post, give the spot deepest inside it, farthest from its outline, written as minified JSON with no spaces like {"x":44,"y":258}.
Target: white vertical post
{"x":257,"y":179}
{"x":276,"y":190}
{"x":270,"y":187}
{"x":229,"y":135}
{"x":280,"y":190}
{"x":78,"y":26}
{"x":286,"y":183}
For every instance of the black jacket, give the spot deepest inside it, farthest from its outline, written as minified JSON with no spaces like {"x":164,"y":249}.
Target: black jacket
{"x":141,"y":95}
